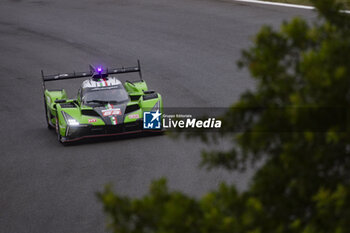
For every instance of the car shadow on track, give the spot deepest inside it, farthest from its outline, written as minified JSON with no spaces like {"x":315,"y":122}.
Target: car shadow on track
{"x":113,"y":138}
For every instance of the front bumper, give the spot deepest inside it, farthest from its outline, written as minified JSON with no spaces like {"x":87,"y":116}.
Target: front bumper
{"x":74,"y":133}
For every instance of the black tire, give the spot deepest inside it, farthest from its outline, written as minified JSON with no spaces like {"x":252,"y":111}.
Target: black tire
{"x":47,"y":117}
{"x":59,"y":137}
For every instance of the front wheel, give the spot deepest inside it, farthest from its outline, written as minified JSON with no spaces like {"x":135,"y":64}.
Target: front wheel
{"x":47,"y":116}
{"x":59,"y":137}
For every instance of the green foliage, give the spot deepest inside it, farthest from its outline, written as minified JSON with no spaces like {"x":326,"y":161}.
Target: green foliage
{"x":295,"y":122}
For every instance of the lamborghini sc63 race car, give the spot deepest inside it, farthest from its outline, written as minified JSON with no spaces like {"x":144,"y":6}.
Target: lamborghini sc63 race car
{"x":104,"y":106}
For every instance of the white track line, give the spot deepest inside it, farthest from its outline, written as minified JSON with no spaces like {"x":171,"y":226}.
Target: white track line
{"x":283,"y":4}
{"x":277,"y":4}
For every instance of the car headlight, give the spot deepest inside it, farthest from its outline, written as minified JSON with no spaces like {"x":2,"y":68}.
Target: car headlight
{"x":156,"y":107}
{"x":72,"y":122}
{"x":69,"y":119}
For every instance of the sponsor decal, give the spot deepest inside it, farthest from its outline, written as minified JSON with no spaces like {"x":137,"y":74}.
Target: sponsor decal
{"x":103,"y":82}
{"x":105,"y":88}
{"x":134,"y":116}
{"x":210,"y":123}
{"x":151,"y":120}
{"x":114,"y":120}
{"x":92,"y":120}
{"x":111,"y":112}
{"x":60,"y":76}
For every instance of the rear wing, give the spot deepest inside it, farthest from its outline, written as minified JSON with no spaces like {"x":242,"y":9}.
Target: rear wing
{"x":93,"y":71}
{"x":64,"y":76}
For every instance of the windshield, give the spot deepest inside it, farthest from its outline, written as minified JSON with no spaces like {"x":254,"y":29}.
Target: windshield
{"x":101,"y":95}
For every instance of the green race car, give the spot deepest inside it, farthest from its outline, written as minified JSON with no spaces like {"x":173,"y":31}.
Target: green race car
{"x":104,"y":105}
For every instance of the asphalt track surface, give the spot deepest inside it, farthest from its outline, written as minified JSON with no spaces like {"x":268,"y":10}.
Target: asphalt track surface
{"x":188,"y":50}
